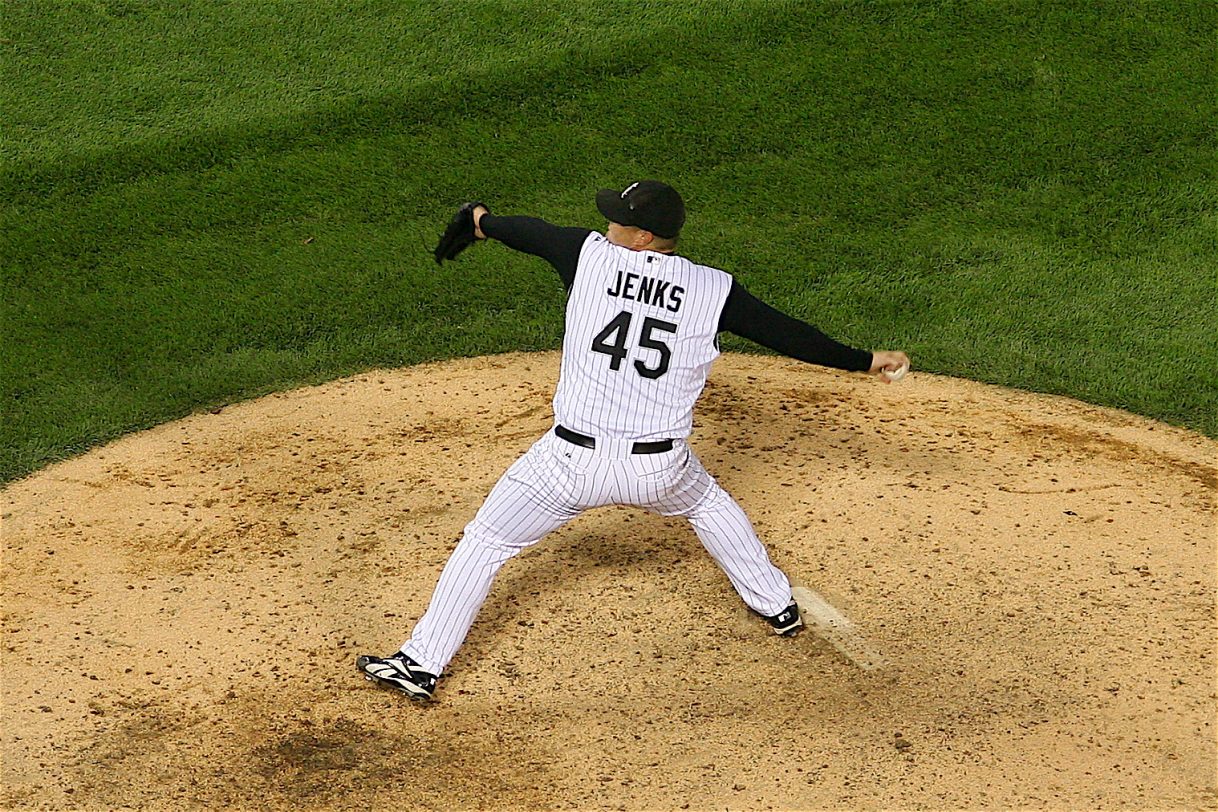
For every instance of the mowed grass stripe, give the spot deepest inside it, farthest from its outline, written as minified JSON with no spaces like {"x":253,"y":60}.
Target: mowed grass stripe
{"x":137,"y":88}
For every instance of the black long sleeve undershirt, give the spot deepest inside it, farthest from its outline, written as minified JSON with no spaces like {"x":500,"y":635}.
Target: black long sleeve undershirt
{"x":557,"y":245}
{"x":743,"y":314}
{"x":748,"y":317}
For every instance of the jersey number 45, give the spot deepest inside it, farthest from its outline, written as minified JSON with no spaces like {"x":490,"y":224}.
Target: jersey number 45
{"x":612,"y":342}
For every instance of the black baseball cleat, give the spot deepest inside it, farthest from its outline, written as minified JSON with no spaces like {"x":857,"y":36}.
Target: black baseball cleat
{"x":398,"y":672}
{"x":787,"y":622}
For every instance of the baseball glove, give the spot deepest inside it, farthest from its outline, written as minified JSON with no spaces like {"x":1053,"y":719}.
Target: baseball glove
{"x":459,"y":234}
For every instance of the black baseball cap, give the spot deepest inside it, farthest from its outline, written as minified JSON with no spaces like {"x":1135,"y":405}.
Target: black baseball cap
{"x":646,"y":204}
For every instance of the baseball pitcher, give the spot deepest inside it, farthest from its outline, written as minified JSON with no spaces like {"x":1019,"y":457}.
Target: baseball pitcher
{"x":639,"y":339}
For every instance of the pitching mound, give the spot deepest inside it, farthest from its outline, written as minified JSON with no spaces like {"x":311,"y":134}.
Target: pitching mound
{"x":1032,"y":579}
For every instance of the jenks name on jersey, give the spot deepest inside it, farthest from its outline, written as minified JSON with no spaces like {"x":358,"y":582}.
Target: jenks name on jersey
{"x":648,"y":290}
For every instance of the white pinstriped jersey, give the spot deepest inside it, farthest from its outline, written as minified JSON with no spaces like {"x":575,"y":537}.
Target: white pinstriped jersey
{"x":640,"y":338}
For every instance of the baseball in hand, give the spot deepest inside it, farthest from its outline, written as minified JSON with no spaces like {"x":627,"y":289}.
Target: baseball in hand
{"x":896,"y":374}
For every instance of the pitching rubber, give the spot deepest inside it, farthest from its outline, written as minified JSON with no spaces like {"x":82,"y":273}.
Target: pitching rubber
{"x":827,"y":623}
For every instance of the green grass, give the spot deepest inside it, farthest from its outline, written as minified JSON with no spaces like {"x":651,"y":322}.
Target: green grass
{"x":208,"y":201}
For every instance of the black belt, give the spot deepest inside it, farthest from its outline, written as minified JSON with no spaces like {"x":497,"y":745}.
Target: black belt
{"x":575,"y":438}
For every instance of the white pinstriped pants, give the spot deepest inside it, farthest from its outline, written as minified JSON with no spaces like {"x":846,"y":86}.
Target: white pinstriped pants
{"x":553,"y":483}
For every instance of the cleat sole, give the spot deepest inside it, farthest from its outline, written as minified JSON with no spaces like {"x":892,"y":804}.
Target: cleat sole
{"x":360,"y":662}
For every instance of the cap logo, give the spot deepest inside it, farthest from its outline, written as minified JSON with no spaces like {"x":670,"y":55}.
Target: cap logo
{"x":628,"y":190}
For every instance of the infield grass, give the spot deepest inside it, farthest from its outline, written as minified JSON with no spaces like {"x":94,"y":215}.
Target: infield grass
{"x":204,"y":202}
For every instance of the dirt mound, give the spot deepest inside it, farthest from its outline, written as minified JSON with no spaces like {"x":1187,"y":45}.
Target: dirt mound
{"x":182,"y":608}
